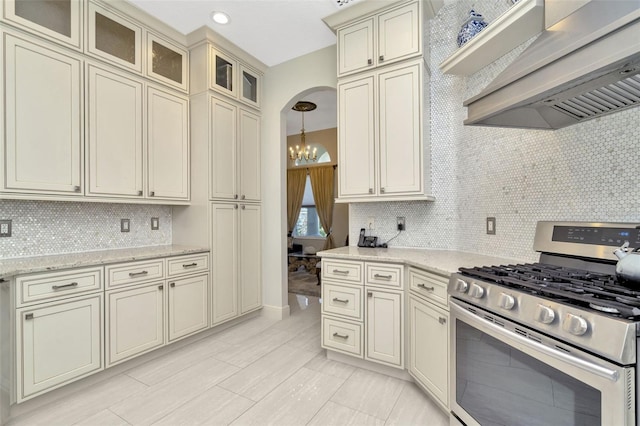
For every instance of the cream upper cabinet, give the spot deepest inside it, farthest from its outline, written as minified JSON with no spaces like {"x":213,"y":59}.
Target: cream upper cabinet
{"x":380,"y":135}
{"x":43,"y":116}
{"x":167,"y":145}
{"x":357,"y":137}
{"x":249,"y":274}
{"x":167,"y":63}
{"x":115,"y":134}
{"x":234,"y":151}
{"x":249,"y":155}
{"x":59,"y":20}
{"x":380,"y":39}
{"x":222,"y":149}
{"x":114,"y":38}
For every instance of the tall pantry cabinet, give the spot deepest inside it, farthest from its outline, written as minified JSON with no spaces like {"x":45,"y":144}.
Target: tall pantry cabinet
{"x":225,"y":212}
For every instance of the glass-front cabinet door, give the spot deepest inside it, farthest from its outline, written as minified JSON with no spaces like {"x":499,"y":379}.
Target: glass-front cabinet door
{"x":60,"y":20}
{"x":166,"y":62}
{"x":250,"y":82}
{"x":114,"y":38}
{"x":223,"y":73}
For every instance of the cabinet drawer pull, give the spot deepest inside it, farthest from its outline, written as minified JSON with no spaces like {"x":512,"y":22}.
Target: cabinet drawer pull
{"x":190,"y":265}
{"x":58,"y":287}
{"x":342,"y":336}
{"x":28,"y":316}
{"x":335,"y":299}
{"x":426,"y":288}
{"x":137,"y":274}
{"x":442,"y":320}
{"x":340,"y":271}
{"x":384,"y":277}
{"x":172,"y":285}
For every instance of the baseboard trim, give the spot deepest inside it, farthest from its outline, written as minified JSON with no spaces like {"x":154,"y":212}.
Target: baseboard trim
{"x":276,"y":312}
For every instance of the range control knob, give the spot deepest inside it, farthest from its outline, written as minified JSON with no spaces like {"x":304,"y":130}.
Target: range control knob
{"x":462,"y":286}
{"x":575,"y":325}
{"x":476,"y":291}
{"x":506,"y":301}
{"x":545,"y":314}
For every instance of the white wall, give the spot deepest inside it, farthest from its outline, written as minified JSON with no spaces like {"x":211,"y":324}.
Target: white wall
{"x":585,"y":172}
{"x":283,"y":85}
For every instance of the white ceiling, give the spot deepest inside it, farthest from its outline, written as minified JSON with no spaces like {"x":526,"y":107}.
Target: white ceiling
{"x":273,"y":31}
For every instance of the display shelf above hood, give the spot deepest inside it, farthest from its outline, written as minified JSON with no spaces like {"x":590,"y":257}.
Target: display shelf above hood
{"x":585,"y":66}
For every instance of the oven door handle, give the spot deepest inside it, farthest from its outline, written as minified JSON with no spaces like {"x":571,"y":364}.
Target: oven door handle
{"x":587,"y":366}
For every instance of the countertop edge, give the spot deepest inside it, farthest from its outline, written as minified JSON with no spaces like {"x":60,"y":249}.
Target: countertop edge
{"x":11,"y":267}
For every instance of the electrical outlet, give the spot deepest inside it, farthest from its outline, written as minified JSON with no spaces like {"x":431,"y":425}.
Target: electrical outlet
{"x":371,"y":223}
{"x":155,"y":223}
{"x":5,"y":228}
{"x":491,"y":225}
{"x":125,"y":225}
{"x":401,"y":226}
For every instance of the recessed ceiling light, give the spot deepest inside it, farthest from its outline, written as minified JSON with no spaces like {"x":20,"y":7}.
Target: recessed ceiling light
{"x":220,"y":18}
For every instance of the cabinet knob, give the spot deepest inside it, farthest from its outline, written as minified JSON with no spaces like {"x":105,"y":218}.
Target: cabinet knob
{"x":76,"y":188}
{"x":369,"y":294}
{"x":160,"y":287}
{"x":382,"y":190}
{"x":172,"y":285}
{"x":244,"y":207}
{"x":152,"y":193}
{"x":370,"y":190}
{"x":235,"y":196}
{"x":381,"y":58}
{"x":242,"y":197}
{"x":28,"y":316}
{"x":235,"y":206}
{"x":442,"y":320}
{"x":369,"y":61}
{"x":140,"y":192}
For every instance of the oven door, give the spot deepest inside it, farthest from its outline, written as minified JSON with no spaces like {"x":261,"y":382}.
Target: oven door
{"x":505,"y":374}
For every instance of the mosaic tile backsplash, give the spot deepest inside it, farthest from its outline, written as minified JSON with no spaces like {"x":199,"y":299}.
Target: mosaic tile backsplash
{"x":48,"y":227}
{"x":585,"y":172}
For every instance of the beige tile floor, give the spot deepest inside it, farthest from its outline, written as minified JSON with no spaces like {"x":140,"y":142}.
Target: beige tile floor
{"x":259,"y":372}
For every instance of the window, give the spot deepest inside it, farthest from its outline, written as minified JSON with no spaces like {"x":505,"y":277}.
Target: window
{"x":308,"y":224}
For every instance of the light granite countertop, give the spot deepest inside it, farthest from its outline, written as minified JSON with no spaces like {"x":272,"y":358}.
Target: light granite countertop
{"x":23,"y":265}
{"x":442,"y":262}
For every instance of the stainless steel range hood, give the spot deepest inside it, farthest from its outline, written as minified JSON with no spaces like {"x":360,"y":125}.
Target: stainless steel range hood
{"x":585,"y":66}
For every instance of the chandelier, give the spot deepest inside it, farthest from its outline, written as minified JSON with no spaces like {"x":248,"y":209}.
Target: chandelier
{"x":303,"y":153}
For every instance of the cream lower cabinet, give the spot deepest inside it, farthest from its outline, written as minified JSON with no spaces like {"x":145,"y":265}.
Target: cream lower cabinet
{"x":381,"y":139}
{"x":187,"y":306}
{"x":58,"y":343}
{"x":43,"y":119}
{"x":363,"y":310}
{"x":135,"y":321}
{"x":236,"y":271}
{"x":429,"y":334}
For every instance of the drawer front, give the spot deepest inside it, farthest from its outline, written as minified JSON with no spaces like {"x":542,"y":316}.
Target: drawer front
{"x":342,"y":336}
{"x":41,"y":287}
{"x":342,"y":300}
{"x":134,"y":272}
{"x":187,"y":264}
{"x":342,"y":270}
{"x":384,"y":275}
{"x":431,"y":286}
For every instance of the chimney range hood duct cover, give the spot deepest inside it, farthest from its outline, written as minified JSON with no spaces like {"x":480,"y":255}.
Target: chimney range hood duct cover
{"x":585,"y":66}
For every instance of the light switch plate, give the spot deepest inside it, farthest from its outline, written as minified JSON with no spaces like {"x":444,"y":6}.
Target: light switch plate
{"x":491,"y":225}
{"x":155,"y":223}
{"x":125,"y":225}
{"x":5,"y":228}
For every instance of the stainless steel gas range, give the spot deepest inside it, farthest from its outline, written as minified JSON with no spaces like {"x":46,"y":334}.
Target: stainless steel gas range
{"x":548,"y":343}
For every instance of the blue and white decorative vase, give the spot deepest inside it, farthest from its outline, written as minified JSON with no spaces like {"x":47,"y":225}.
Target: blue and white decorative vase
{"x":474,"y":24}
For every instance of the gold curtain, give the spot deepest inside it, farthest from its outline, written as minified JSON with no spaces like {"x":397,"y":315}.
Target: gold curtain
{"x":296,"y":179}
{"x":322,"y":186}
